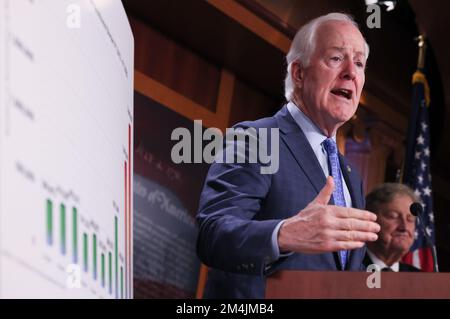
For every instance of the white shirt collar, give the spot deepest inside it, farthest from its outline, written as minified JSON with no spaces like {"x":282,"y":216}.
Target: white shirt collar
{"x":313,"y":134}
{"x":395,"y":266}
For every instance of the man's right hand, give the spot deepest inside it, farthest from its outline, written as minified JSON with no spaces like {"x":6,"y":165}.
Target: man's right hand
{"x":323,"y":228}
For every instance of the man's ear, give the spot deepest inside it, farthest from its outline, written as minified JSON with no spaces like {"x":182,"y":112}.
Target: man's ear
{"x":297,"y":74}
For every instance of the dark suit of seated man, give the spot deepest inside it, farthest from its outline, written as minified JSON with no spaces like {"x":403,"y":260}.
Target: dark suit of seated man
{"x":252,"y":224}
{"x":391,"y":202}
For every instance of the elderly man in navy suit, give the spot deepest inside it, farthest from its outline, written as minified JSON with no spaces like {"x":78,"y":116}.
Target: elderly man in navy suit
{"x":308,"y":214}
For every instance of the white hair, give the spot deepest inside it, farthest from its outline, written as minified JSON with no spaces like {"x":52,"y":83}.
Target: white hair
{"x":304,"y":43}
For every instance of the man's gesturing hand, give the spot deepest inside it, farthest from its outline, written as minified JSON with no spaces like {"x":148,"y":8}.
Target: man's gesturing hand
{"x":325,"y":228}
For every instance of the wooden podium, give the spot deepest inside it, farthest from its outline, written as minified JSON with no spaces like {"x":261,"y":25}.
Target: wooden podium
{"x":353,"y":285}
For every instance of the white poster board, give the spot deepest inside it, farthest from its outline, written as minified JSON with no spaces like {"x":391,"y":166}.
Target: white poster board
{"x":66,"y":149}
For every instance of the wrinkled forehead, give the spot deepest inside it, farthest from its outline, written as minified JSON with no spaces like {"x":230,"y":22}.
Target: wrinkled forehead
{"x":339,"y":35}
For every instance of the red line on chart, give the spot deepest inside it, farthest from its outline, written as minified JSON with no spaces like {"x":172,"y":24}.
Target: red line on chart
{"x":129,"y":204}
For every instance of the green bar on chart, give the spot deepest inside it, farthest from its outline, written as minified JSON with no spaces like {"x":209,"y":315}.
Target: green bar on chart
{"x":110,"y":272}
{"x":121,"y":282}
{"x":94,"y":255}
{"x":74,"y":235}
{"x":116,"y":257}
{"x":62,"y":219}
{"x":49,"y":222}
{"x":85,"y":251}
{"x":103,"y":270}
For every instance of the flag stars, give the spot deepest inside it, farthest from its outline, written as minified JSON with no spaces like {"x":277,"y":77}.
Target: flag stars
{"x":428,"y":230}
{"x":420,"y":139}
{"x":427,"y":191}
{"x":431,"y":216}
{"x":424,"y":126}
{"x":420,"y":179}
{"x":417,"y":155}
{"x":417,"y":192}
{"x":426,"y":151}
{"x":423,"y":165}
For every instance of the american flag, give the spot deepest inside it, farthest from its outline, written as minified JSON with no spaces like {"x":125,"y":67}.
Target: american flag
{"x":417,"y":172}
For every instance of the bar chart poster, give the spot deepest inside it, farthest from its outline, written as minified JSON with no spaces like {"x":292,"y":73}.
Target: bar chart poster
{"x":66,"y":149}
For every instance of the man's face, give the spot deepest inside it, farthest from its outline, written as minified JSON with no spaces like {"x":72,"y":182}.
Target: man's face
{"x":397,"y":225}
{"x":331,"y":84}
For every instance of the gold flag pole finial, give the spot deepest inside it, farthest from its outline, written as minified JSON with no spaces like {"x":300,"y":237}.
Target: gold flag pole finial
{"x":419,"y":76}
{"x":422,"y":48}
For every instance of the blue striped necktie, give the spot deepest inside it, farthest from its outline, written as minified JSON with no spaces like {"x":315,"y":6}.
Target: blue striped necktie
{"x":338,"y":194}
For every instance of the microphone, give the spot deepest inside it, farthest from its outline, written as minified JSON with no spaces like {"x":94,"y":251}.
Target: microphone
{"x":417,"y":210}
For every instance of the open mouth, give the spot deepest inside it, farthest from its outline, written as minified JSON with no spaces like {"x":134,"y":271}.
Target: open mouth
{"x":342,"y":92}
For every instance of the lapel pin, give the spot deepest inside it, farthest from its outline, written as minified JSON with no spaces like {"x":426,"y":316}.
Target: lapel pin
{"x":349,"y":169}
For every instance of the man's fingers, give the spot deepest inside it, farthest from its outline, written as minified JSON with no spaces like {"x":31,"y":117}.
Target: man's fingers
{"x":325,"y":193}
{"x":354,"y":235}
{"x":349,"y":212}
{"x":347,"y":245}
{"x":356,"y":224}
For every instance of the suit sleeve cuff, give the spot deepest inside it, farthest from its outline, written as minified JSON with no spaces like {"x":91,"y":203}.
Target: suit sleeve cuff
{"x":275,"y":249}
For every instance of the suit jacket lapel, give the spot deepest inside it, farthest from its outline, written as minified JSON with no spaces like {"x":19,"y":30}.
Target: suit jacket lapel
{"x":298,"y":145}
{"x":353,"y":183}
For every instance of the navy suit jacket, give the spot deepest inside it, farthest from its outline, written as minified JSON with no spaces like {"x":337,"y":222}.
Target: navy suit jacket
{"x":240,"y":208}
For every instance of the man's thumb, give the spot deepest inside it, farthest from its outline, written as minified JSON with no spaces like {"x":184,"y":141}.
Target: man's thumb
{"x":325,"y":193}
